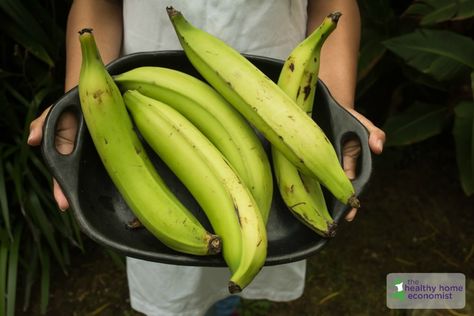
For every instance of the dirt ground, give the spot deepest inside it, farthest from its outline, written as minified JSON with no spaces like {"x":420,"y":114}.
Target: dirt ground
{"x":414,"y":218}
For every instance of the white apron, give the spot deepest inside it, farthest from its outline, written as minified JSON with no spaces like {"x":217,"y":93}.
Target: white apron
{"x":266,"y":28}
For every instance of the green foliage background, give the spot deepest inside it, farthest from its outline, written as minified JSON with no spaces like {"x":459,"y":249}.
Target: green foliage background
{"x":33,"y":234}
{"x":419,"y":59}
{"x":416,"y":80}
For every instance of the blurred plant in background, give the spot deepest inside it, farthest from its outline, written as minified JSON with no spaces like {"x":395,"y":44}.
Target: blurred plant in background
{"x":34,"y":234}
{"x":419,"y":61}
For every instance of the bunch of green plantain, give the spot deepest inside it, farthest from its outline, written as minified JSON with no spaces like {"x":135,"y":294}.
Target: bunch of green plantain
{"x":205,"y":132}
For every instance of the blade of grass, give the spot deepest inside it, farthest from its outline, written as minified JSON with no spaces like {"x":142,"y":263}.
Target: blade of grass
{"x":44,"y":195}
{"x":13,"y":270}
{"x":16,"y":94}
{"x":25,"y":149}
{"x":4,"y":246}
{"x":118,"y":259}
{"x":39,"y":165}
{"x":31,"y":273}
{"x":32,"y":108}
{"x":77,"y":231}
{"x":70,"y":220}
{"x":74,"y":235}
{"x":8,"y":152}
{"x":45,"y":226}
{"x":15,"y":176}
{"x":58,"y":220}
{"x":4,"y":197}
{"x":64,"y":223}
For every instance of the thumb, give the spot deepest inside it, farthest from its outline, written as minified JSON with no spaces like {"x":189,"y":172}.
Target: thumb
{"x":376,"y":135}
{"x":36,"y":129}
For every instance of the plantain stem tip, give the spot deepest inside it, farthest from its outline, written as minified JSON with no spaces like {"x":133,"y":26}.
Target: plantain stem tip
{"x":85,"y":30}
{"x":335,"y":16}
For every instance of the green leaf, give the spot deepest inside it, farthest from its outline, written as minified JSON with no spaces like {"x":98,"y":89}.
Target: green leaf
{"x":40,"y":166}
{"x":15,"y":175}
{"x":117,"y":258}
{"x":43,"y":194}
{"x":441,"y":54}
{"x":4,"y":247}
{"x":419,"y":79}
{"x":369,"y":55}
{"x":472,"y":84}
{"x":58,"y":220}
{"x":31,"y":267}
{"x":47,"y":14}
{"x":23,"y":27}
{"x":417,"y":123}
{"x":41,"y":220}
{"x":65,"y":251}
{"x":13,"y":260}
{"x":26,"y":40}
{"x":4,"y":74}
{"x":437,"y":11}
{"x":17,"y":95}
{"x":77,"y":231}
{"x":4,"y":197}
{"x":463,"y":132}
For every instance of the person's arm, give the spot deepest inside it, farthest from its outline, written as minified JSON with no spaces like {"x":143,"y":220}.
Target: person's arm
{"x":105,"y":18}
{"x":338,"y":70}
{"x":339,"y":54}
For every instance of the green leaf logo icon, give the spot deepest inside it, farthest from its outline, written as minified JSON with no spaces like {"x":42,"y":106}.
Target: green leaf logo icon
{"x":400,"y":292}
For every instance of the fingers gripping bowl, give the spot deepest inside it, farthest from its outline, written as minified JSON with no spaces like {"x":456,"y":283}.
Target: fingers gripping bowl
{"x":103,"y":215}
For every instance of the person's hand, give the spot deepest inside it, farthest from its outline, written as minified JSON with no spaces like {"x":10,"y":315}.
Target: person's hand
{"x":351,"y":150}
{"x":64,"y":140}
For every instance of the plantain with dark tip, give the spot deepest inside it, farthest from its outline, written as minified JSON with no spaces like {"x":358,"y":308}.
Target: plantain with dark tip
{"x":266,"y":106}
{"x":301,"y":193}
{"x":127,"y":163}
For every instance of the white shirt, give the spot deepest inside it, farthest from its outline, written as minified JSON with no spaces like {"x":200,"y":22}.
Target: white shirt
{"x":266,"y":28}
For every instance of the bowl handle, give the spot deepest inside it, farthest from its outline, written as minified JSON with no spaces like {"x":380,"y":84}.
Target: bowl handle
{"x":63,"y":167}
{"x":351,"y":128}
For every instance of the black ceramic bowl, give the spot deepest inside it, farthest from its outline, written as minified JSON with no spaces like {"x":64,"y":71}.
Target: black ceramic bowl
{"x":103,"y":215}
